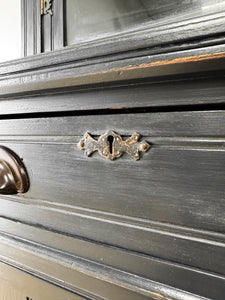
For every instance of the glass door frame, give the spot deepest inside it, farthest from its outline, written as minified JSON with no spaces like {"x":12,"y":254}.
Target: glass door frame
{"x":42,"y":32}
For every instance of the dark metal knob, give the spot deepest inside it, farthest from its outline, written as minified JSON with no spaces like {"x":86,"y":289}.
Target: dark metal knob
{"x":13,"y":175}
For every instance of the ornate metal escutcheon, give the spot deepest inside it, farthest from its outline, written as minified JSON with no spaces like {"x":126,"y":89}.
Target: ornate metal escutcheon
{"x":110,"y":145}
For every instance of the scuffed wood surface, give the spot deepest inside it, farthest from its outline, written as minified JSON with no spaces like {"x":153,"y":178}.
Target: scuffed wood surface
{"x":18,"y":285}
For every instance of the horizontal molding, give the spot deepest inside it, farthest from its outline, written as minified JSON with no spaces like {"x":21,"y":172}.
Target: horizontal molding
{"x":184,"y":232}
{"x":168,"y":191}
{"x":200,"y":125}
{"x":21,"y":285}
{"x":137,"y":39}
{"x":47,"y":77}
{"x":80,"y":275}
{"x":188,"y":246}
{"x":193,"y":143}
{"x":202,"y":94}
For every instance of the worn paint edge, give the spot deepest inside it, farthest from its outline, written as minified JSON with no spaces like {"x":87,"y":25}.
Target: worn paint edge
{"x":22,"y":249}
{"x":80,"y":76}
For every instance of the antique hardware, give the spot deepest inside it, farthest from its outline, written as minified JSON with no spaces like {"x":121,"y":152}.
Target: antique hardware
{"x":110,"y":145}
{"x":46,"y":7}
{"x":13,"y":176}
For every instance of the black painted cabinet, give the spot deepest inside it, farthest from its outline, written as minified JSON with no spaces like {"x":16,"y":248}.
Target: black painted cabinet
{"x":121,"y":135}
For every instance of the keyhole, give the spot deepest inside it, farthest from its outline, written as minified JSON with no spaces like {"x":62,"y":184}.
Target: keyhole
{"x":110,"y":140}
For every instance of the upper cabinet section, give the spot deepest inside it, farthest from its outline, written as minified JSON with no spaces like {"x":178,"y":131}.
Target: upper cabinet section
{"x":88,"y":20}
{"x":31,"y":27}
{"x":10,"y":30}
{"x":80,"y":42}
{"x":117,"y":26}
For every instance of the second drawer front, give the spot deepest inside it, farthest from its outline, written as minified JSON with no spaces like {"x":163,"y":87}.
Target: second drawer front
{"x":177,"y":186}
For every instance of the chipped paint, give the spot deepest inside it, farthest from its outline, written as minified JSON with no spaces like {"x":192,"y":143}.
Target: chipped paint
{"x":161,"y":296}
{"x":119,"y":107}
{"x":133,"y":71}
{"x":179,"y":60}
{"x":49,"y":80}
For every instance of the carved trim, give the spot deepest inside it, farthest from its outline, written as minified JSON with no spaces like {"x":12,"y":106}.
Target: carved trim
{"x":46,"y":7}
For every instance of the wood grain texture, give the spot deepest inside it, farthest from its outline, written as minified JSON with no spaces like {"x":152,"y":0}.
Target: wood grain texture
{"x":86,"y":277}
{"x":147,"y":96}
{"x":31,"y":27}
{"x":175,"y":183}
{"x":46,"y":33}
{"x":152,"y":229}
{"x":18,"y":285}
{"x":200,"y":249}
{"x":171,"y":188}
{"x":192,"y":124}
{"x":115,"y":257}
{"x":44,"y":72}
{"x":160,"y":209}
{"x":58,"y":25}
{"x":123,"y":43}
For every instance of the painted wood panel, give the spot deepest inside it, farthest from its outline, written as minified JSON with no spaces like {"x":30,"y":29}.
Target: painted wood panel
{"x":18,"y":285}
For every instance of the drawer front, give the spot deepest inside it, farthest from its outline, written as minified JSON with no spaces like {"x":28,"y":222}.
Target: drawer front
{"x":18,"y":285}
{"x":180,"y":180}
{"x":168,"y":205}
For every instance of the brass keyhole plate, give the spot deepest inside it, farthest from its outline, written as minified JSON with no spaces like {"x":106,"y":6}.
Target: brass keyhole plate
{"x":111,"y":146}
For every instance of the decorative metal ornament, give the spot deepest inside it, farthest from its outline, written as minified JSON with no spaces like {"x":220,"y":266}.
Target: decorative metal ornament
{"x":110,"y":145}
{"x":46,"y":7}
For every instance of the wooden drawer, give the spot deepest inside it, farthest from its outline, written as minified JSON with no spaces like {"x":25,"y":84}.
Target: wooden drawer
{"x":18,"y":285}
{"x":174,"y":182}
{"x":162,"y":206}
